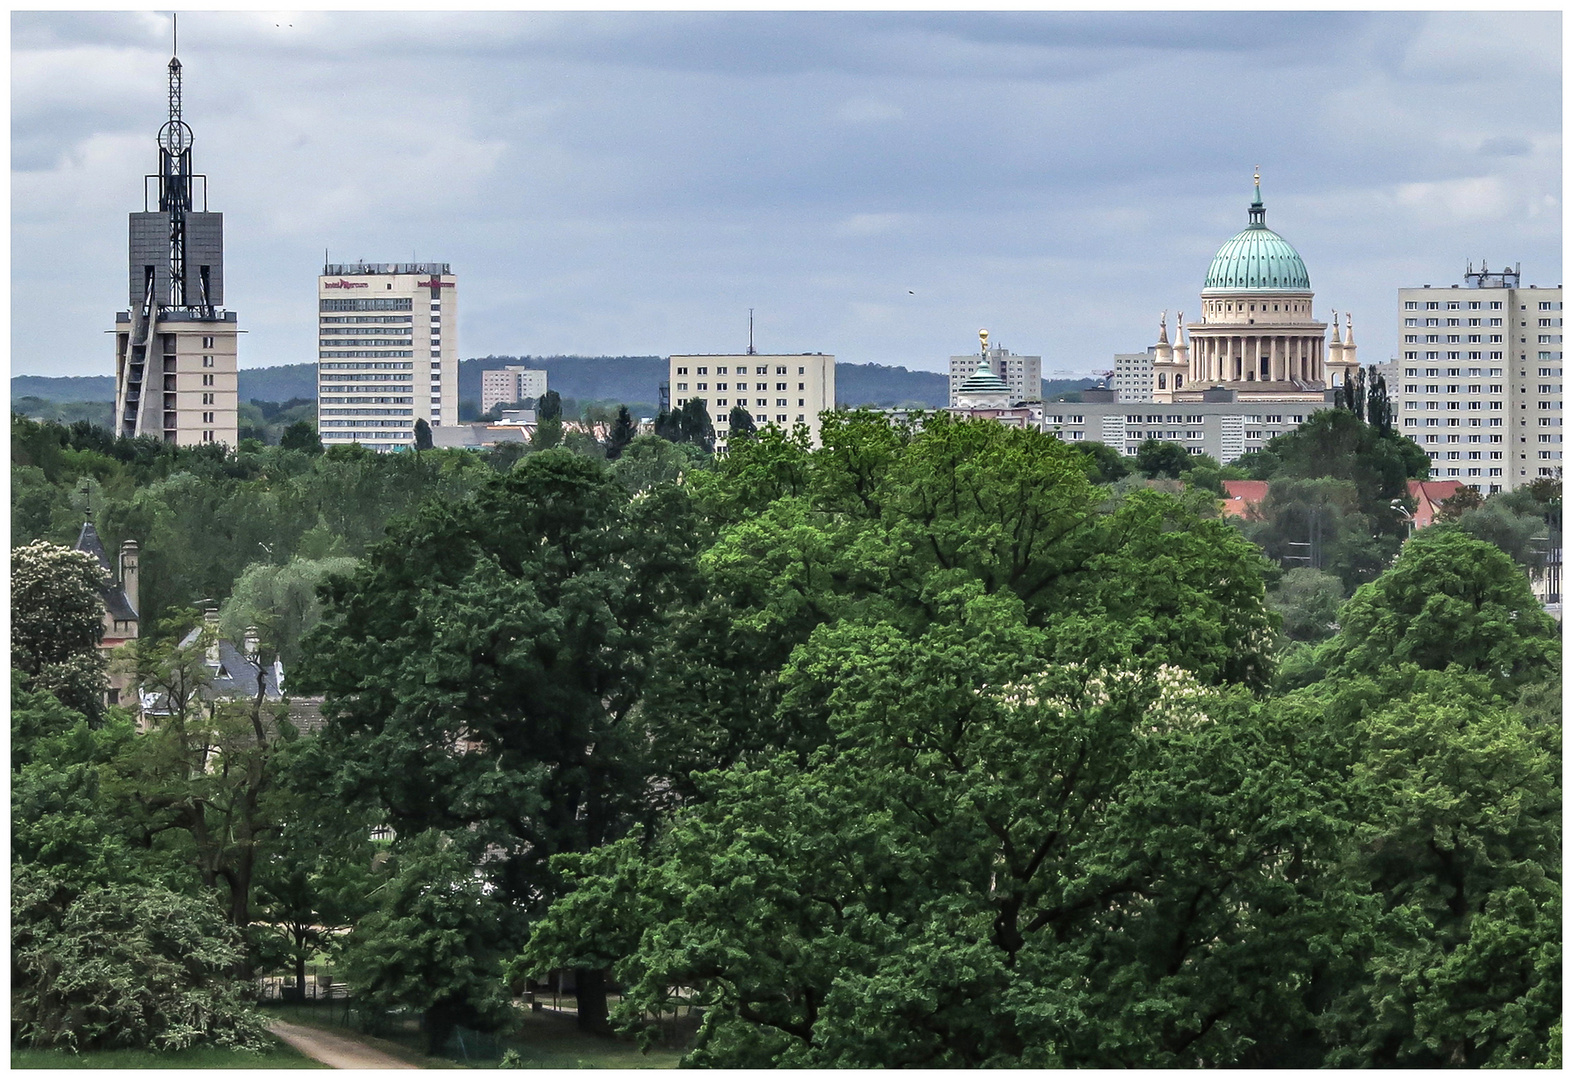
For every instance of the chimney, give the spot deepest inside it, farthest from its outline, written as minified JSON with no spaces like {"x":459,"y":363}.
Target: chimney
{"x":252,"y":643}
{"x":130,"y":575}
{"x":210,"y":626}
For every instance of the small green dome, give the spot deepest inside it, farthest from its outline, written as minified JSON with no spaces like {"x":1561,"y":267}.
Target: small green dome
{"x":983,"y":381}
{"x":1256,"y":259}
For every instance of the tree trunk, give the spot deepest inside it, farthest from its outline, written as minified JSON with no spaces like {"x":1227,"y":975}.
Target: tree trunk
{"x":590,"y":988}
{"x":300,"y":965}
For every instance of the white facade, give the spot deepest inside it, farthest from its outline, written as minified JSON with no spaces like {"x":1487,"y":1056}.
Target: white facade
{"x":510,"y":384}
{"x":781,"y":390}
{"x":1023,"y":374}
{"x":387,"y":352}
{"x":1133,"y":376}
{"x":1478,"y":382}
{"x":1223,"y":430}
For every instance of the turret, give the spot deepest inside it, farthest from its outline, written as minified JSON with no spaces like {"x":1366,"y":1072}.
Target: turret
{"x":130,"y":575}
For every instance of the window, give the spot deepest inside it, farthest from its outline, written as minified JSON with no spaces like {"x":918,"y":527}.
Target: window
{"x":762,"y":370}
{"x":781,"y":371}
{"x":207,"y":380}
{"x":207,"y":343}
{"x":702,"y":371}
{"x":682,"y":386}
{"x":207,"y":361}
{"x":781,"y":386}
{"x":207,"y":418}
{"x":1410,"y":305}
{"x":682,"y":371}
{"x":207,"y":399}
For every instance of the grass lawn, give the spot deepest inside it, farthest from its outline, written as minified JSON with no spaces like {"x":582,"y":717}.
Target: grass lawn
{"x":277,"y":1056}
{"x":544,"y":1040}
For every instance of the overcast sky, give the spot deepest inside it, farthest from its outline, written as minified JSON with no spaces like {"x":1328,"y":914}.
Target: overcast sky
{"x":877,"y":186}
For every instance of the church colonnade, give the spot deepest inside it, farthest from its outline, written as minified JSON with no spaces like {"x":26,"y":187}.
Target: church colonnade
{"x":1237,"y":357}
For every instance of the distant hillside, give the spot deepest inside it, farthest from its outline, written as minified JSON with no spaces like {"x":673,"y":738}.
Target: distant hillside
{"x":583,"y":378}
{"x":279,"y":383}
{"x":71,"y":388}
{"x":887,"y":387}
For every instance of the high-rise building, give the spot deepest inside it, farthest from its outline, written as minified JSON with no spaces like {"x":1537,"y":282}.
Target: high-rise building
{"x":507,"y":385}
{"x":175,"y":345}
{"x":1479,"y":380}
{"x":1023,"y":374}
{"x":781,"y":390}
{"x":1133,"y":379}
{"x":387,"y":352}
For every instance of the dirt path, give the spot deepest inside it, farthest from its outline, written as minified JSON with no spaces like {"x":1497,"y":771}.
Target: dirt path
{"x":335,"y":1051}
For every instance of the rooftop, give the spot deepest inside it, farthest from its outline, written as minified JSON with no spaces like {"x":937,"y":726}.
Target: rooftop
{"x":387,"y":268}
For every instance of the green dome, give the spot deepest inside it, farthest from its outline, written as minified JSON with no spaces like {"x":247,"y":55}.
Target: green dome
{"x":984,"y":381}
{"x":1256,"y":259}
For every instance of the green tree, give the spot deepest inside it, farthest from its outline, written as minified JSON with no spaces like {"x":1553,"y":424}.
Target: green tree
{"x":431,"y":943}
{"x":301,"y":435}
{"x":1307,"y":600}
{"x":1459,"y":842}
{"x":1005,"y":860}
{"x":422,"y":435}
{"x":280,"y":601}
{"x":1104,"y":464}
{"x":621,"y":435}
{"x":1448,"y":600}
{"x":740,"y":422}
{"x":57,"y":622}
{"x":485,"y":667}
{"x":123,"y":966}
{"x":1155,"y":459}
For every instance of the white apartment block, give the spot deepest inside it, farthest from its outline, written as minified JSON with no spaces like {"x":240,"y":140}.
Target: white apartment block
{"x":1223,"y":429}
{"x":781,"y":390}
{"x":387,"y":352}
{"x":1478,"y":383}
{"x":1133,"y":377}
{"x":510,"y":384}
{"x":1023,"y":374}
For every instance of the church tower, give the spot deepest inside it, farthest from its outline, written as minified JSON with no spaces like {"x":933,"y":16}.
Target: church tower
{"x":176,"y":370}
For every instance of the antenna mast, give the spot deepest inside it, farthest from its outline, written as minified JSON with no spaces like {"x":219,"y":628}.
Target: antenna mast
{"x":750,"y":331}
{"x":174,"y":181}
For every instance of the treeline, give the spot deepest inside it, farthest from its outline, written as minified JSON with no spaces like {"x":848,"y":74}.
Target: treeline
{"x":933,"y":746}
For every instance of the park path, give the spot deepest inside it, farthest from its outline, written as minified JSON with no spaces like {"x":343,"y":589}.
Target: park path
{"x":335,"y":1051}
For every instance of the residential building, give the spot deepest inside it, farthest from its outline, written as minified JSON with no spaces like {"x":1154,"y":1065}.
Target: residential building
{"x":1224,"y":426}
{"x":1133,"y":376}
{"x":1478,"y":381}
{"x":776,"y":389}
{"x":176,"y":353}
{"x":120,"y":597}
{"x":387,"y":352}
{"x":1258,"y":335}
{"x":1022,"y":374}
{"x":510,"y":384}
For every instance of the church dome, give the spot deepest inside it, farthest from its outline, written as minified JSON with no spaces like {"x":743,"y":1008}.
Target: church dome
{"x":984,"y":381}
{"x":1256,"y":259}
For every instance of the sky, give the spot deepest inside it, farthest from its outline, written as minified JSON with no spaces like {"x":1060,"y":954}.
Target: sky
{"x":874,"y":185}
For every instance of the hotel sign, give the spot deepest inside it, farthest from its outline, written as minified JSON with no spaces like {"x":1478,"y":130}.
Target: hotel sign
{"x":343,"y":284}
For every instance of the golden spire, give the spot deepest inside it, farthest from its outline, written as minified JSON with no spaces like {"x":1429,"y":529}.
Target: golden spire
{"x":983,"y":336}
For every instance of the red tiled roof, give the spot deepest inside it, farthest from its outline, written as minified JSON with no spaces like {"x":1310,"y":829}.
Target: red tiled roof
{"x":1241,"y":496}
{"x":1428,"y":494}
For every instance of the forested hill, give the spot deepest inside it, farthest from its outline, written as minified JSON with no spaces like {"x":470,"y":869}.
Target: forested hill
{"x":630,"y":379}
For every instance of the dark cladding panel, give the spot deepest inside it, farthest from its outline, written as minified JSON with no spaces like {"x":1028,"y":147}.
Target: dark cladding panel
{"x":149,"y":247}
{"x":205,"y":247}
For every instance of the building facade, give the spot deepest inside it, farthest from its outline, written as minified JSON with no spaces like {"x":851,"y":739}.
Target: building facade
{"x":1258,"y":334}
{"x":1222,"y":429}
{"x":781,"y":390}
{"x":1022,"y":374}
{"x":121,"y":598}
{"x":510,"y":384}
{"x":1478,"y":382}
{"x":1133,"y":376}
{"x":176,"y":347}
{"x":387,"y":352}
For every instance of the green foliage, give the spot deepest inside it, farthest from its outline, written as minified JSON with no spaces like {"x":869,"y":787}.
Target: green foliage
{"x":123,"y":965}
{"x":1104,"y":464}
{"x":301,"y":435}
{"x":550,"y":407}
{"x":280,"y":601}
{"x":422,"y":435}
{"x":1459,"y":839}
{"x":1318,"y":522}
{"x":621,"y":435}
{"x":1448,"y":600}
{"x":431,"y":942}
{"x":57,"y":622}
{"x":740,"y":421}
{"x":1307,"y":600}
{"x":688,"y":423}
{"x":1155,"y":459}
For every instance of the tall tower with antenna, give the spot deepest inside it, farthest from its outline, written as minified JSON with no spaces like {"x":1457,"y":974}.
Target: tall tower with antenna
{"x":176,"y":372}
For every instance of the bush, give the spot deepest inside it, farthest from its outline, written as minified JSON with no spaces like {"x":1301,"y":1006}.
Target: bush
{"x":128,"y":966}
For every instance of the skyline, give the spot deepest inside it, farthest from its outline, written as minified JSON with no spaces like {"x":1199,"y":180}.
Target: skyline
{"x":877,"y":186}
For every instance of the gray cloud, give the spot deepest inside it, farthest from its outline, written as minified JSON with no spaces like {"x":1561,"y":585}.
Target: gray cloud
{"x":614,"y":182}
